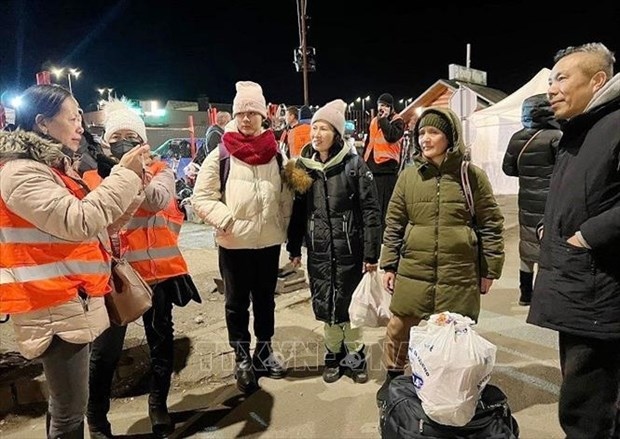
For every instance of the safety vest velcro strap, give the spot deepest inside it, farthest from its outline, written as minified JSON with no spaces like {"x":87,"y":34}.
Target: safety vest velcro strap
{"x":152,"y":253}
{"x":11,"y":235}
{"x":53,"y":270}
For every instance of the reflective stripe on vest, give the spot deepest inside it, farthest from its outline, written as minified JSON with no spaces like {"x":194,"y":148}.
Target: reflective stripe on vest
{"x":39,"y":270}
{"x":33,"y":236}
{"x":383,"y":150}
{"x":150,"y":241}
{"x":153,"y":221}
{"x":49,"y":271}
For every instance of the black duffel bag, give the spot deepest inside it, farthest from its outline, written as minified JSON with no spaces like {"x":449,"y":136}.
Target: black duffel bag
{"x":402,"y":416}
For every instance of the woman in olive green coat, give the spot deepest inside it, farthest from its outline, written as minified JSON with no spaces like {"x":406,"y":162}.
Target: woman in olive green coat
{"x":430,"y":252}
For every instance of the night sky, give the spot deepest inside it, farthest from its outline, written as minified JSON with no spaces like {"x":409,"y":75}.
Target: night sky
{"x":172,"y":50}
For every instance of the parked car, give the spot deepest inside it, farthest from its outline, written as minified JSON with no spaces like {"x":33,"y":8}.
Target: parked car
{"x":177,"y":152}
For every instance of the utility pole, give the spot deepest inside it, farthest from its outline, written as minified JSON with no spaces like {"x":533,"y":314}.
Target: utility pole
{"x":304,"y":54}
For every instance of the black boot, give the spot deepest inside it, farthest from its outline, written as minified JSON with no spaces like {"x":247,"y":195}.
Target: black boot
{"x":78,"y":433}
{"x":266,"y":363}
{"x":382,"y":393}
{"x":161,"y":422}
{"x":100,"y":430}
{"x":355,"y":362}
{"x":244,"y":374}
{"x":526,"y":281}
{"x":332,"y":370}
{"x":98,"y":426}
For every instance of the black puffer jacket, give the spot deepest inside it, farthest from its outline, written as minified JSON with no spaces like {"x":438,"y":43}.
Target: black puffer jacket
{"x":533,"y":163}
{"x":339,"y":219}
{"x":577,"y":290}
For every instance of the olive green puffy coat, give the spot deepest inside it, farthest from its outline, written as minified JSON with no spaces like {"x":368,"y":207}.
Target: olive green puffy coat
{"x":429,"y":240}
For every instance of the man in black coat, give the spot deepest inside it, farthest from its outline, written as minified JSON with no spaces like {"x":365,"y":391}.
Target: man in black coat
{"x":577,"y":290}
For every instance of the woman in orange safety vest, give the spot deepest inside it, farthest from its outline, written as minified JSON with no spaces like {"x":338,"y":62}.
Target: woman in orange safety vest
{"x":149,"y":242}
{"x":54,"y":254}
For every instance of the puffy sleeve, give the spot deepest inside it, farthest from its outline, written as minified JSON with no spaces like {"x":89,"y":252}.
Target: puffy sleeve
{"x":490,"y":222}
{"x":32,"y":191}
{"x":371,"y":213}
{"x":396,"y":220}
{"x":207,"y":197}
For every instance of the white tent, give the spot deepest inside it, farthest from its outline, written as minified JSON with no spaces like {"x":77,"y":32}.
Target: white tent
{"x":493,"y":128}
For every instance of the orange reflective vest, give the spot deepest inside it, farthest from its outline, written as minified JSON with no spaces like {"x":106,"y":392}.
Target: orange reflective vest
{"x":91,"y":178}
{"x":297,"y":138}
{"x":383,"y":150}
{"x":149,"y":241}
{"x":39,"y":270}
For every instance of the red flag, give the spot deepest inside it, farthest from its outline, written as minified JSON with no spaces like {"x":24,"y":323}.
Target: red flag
{"x":44,"y":77}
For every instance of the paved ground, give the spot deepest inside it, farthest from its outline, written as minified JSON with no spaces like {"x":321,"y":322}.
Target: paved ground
{"x":206,"y":403}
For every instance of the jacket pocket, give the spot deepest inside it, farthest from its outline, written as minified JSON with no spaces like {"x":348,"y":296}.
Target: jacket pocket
{"x":573,"y":265}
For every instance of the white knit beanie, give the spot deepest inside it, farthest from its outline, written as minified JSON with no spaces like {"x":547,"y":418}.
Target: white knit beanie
{"x":332,"y":113}
{"x":120,"y":116}
{"x":249,"y":97}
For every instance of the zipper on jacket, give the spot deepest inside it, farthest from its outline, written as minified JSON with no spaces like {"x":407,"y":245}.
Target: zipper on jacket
{"x":345,"y":229}
{"x":312,"y":230}
{"x":435,"y":255}
{"x":84,"y":299}
{"x":332,"y":256}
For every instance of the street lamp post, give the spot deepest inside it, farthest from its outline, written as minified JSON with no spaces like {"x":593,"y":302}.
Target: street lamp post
{"x":363,"y":118}
{"x":74,"y":72}
{"x":70,"y":71}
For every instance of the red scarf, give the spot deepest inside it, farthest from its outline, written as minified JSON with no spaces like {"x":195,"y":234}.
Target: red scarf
{"x":257,"y":150}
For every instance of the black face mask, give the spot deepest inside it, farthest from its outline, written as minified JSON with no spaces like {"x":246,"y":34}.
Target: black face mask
{"x":121,"y":147}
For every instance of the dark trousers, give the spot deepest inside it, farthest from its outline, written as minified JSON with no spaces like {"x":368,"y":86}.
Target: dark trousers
{"x":107,"y":348}
{"x":66,"y":371}
{"x":249,"y":274}
{"x":588,"y":406}
{"x":385,"y":186}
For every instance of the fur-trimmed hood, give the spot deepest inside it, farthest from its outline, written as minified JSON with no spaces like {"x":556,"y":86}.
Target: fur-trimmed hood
{"x":296,"y":177}
{"x":20,"y":144}
{"x":297,"y":171}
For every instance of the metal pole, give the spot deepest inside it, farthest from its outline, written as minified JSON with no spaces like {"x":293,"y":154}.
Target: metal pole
{"x":69,"y":79}
{"x":363,"y":116}
{"x":303,"y":50}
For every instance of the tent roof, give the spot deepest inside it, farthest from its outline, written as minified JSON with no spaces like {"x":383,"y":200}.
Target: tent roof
{"x":510,"y":106}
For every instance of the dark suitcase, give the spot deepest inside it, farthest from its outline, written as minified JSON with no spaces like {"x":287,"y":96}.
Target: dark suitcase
{"x":402,"y":416}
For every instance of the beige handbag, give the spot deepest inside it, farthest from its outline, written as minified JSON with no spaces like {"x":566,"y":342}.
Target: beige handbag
{"x":131,"y":296}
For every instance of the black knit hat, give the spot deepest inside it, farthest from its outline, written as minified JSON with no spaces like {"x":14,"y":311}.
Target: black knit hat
{"x":386,"y":99}
{"x":438,"y":121}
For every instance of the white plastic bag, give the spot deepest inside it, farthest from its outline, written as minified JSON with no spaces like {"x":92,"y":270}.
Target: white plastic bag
{"x":450,"y":363}
{"x":370,"y":303}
